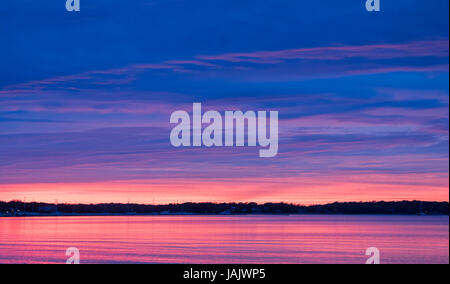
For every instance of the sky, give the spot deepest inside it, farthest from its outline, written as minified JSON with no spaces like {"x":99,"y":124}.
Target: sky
{"x":86,"y":99}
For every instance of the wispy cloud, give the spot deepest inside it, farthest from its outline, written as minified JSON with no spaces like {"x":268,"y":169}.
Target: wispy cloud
{"x":281,"y":60}
{"x":433,"y":48}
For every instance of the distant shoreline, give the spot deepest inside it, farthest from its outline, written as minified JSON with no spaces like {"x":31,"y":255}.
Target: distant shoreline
{"x":34,"y":209}
{"x":214,"y":215}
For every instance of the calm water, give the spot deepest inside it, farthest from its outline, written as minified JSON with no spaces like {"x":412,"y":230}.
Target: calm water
{"x":225,"y":239}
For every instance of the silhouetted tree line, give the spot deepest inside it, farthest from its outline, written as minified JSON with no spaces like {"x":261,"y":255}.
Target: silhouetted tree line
{"x":18,"y":208}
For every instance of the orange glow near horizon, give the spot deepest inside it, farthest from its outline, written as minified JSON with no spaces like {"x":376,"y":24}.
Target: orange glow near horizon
{"x":304,"y":190}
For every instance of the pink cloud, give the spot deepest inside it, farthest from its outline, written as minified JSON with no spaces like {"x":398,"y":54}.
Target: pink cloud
{"x":127,"y":74}
{"x":436,"y":48}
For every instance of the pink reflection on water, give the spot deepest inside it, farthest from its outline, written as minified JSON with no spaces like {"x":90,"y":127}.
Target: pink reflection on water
{"x":225,"y":239}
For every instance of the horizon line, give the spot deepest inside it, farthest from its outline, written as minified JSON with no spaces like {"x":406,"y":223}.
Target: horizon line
{"x":235,"y":202}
